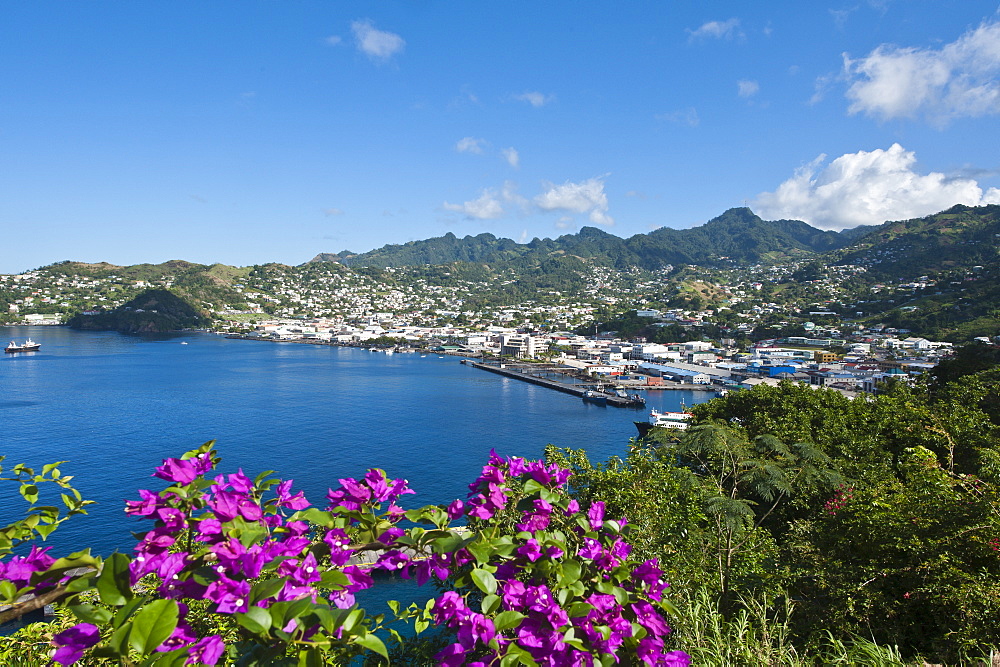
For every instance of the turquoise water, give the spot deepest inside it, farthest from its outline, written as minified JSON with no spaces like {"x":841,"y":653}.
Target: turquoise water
{"x":115,"y":405}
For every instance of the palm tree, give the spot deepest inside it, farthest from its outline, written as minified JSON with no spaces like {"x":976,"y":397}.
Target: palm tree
{"x":744,"y":482}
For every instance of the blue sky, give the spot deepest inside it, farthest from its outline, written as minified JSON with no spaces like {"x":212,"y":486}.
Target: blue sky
{"x":249,"y":132}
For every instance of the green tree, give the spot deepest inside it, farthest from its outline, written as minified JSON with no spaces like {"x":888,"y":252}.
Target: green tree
{"x":913,"y":561}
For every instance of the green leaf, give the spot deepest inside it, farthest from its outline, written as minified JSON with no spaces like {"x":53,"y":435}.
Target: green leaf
{"x":256,"y":620}
{"x":352,"y":619}
{"x":519,"y":655}
{"x":113,"y":583}
{"x":118,"y":642}
{"x":246,"y":532}
{"x":315,"y":516}
{"x":334,"y":579}
{"x":448,"y":544}
{"x":485,"y":581}
{"x":532,"y":486}
{"x":30,"y":492}
{"x":481,"y":551}
{"x":669,"y":608}
{"x":7,"y":590}
{"x":373,"y":643}
{"x":260,"y":478}
{"x":176,"y":658}
{"x":125,"y":613}
{"x":490,"y":603}
{"x":507,"y":619}
{"x":79,"y":585}
{"x":88,"y":613}
{"x":153,"y":625}
{"x":571,"y":570}
{"x":311,"y":657}
{"x":266,"y":589}
{"x":49,"y":467}
{"x":45,"y":530}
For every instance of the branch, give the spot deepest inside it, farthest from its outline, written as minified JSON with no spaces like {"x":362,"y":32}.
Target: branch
{"x":32,"y":604}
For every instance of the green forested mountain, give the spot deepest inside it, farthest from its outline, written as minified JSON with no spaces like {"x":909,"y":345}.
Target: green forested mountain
{"x":738,"y":235}
{"x":959,"y":238}
{"x":962,"y":236}
{"x":154,"y":310}
{"x":937,"y":276}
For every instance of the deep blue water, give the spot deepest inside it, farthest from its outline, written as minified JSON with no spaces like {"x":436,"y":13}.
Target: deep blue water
{"x":115,"y":405}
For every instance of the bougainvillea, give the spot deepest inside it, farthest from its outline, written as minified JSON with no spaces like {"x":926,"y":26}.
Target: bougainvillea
{"x":239,"y":568}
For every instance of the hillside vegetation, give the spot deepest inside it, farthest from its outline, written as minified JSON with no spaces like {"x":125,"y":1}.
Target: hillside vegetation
{"x":935,"y":276}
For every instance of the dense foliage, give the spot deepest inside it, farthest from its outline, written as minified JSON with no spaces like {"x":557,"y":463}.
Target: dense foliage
{"x":812,"y":521}
{"x":155,"y":310}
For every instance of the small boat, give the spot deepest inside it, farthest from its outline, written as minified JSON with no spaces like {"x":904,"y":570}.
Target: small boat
{"x":592,"y":396}
{"x":633,"y":400}
{"x":29,"y":346}
{"x":676,"y":421}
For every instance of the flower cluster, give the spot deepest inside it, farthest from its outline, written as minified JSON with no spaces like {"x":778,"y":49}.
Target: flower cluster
{"x":539,"y":579}
{"x":841,"y":497}
{"x":20,"y":569}
{"x":559,"y":591}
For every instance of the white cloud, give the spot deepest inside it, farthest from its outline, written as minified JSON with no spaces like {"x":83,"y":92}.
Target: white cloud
{"x":332,"y":211}
{"x":586,"y":197}
{"x":687,"y":117}
{"x":821,"y":86}
{"x":334,"y":40}
{"x":470,"y":145}
{"x":512,"y":156}
{"x":534,"y":98}
{"x":377,"y":44}
{"x":840,"y":16}
{"x":564,"y":222}
{"x":868,"y":188}
{"x":486,"y":207}
{"x":747,"y":87}
{"x":960,"y":79}
{"x":717,"y":30}
{"x":490,"y":203}
{"x":511,"y":197}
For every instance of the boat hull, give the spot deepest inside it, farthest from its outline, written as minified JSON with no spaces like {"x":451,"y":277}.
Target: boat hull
{"x":27,"y":347}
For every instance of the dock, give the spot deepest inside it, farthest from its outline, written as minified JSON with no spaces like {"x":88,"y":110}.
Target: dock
{"x":565,"y":387}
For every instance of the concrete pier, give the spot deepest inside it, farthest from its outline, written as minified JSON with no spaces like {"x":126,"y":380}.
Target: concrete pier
{"x":565,"y":387}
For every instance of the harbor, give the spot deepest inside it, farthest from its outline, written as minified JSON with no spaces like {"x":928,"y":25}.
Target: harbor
{"x":561,"y":379}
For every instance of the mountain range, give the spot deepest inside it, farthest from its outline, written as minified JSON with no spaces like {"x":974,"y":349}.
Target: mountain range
{"x":737,"y":236}
{"x":959,"y":236}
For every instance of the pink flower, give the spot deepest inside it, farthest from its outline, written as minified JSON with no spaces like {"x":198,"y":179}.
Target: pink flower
{"x":70,"y":644}
{"x":206,"y":652}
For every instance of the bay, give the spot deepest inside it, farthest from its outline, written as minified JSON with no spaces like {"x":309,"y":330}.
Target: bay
{"x":114,"y":406}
